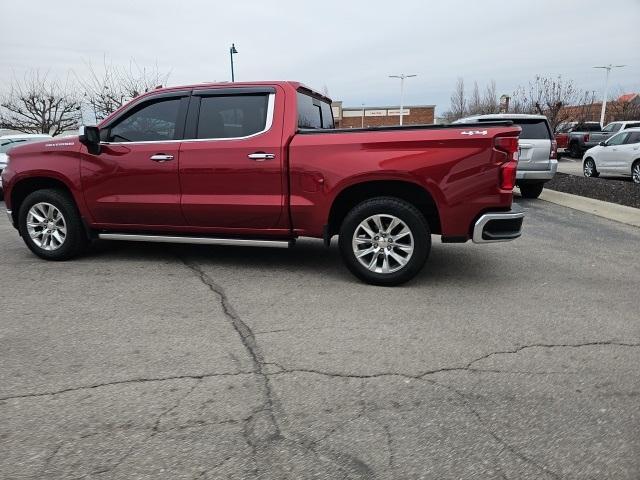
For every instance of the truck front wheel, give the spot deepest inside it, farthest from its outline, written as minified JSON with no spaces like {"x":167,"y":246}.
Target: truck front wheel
{"x":50,"y":225}
{"x":385,"y":241}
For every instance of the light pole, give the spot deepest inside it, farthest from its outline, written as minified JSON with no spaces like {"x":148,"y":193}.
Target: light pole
{"x":402,"y":76}
{"x":232,"y":50}
{"x":606,"y":89}
{"x":362,"y":123}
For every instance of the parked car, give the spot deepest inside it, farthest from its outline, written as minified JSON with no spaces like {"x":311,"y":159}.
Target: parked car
{"x":262,"y":164}
{"x":9,"y":141}
{"x":537,"y":159}
{"x":619,"y":155}
{"x":581,"y":141}
{"x":563,"y":131}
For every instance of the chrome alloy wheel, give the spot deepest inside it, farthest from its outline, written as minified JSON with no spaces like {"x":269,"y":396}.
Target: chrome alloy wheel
{"x":46,"y":226}
{"x":635,"y":173}
{"x":383,"y":243}
{"x":588,"y":168}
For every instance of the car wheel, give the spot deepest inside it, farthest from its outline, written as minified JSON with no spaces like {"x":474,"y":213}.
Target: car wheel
{"x":589,"y":168}
{"x":384,"y":241}
{"x":50,"y":225}
{"x":635,"y":172}
{"x":531,"y":190}
{"x":574,"y":150}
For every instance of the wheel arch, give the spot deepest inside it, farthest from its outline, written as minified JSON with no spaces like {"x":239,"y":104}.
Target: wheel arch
{"x":408,"y":191}
{"x":22,"y":188}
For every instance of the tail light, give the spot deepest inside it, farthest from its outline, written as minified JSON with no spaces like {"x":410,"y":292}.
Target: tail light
{"x":554,"y":149}
{"x":586,"y":137}
{"x":508,"y":167}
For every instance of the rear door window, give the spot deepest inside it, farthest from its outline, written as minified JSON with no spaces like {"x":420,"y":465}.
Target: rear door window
{"x":634,"y":137}
{"x":631,"y":125}
{"x":232,"y":116}
{"x":533,"y":129}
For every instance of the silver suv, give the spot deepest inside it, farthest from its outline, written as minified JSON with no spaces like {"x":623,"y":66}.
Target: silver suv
{"x":537,"y":161}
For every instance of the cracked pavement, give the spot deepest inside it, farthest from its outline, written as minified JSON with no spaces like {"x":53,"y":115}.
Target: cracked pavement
{"x":515,"y":360}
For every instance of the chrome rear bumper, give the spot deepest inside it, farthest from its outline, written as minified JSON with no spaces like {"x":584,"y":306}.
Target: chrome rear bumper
{"x":499,"y":226}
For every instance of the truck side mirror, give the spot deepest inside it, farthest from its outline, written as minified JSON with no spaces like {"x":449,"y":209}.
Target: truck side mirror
{"x":603,"y":144}
{"x":90,"y":137}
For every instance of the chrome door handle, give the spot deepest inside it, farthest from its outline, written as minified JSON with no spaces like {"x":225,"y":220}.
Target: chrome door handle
{"x":261,"y":156}
{"x":161,"y":157}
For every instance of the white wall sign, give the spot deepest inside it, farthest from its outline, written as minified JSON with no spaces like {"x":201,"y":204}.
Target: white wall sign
{"x":351,"y":113}
{"x":336,"y":112}
{"x":375,"y":113}
{"x":396,"y":112}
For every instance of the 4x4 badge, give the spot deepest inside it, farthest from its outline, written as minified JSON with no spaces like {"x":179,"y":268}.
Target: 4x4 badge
{"x":474,"y":132}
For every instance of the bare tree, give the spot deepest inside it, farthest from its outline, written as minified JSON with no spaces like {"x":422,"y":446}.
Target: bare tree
{"x":474,"y":106}
{"x":619,"y":109}
{"x":547,"y":96}
{"x":108,"y":89}
{"x":458,"y":102}
{"x":490,"y":102}
{"x":37,"y":104}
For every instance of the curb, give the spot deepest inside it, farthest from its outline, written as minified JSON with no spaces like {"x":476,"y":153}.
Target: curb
{"x":611,"y":211}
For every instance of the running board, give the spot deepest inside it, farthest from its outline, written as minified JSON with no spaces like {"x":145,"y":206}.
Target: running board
{"x":196,"y":240}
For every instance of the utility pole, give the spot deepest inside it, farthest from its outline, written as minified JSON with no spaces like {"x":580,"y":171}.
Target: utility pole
{"x":402,"y":76}
{"x":608,"y":68}
{"x":232,"y":50}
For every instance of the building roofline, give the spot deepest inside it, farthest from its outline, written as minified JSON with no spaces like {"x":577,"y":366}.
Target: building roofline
{"x":387,"y":107}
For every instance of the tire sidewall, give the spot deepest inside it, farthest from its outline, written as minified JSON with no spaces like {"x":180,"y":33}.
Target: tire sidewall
{"x":405,"y":212}
{"x":75,"y":239}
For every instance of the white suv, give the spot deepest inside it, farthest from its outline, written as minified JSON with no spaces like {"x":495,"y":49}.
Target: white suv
{"x":537,"y":161}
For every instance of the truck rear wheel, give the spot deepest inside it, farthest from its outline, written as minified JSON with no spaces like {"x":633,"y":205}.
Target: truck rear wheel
{"x":50,"y":225}
{"x":385,"y":241}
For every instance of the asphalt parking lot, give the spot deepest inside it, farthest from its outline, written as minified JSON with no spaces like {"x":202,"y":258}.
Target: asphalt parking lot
{"x":516,"y":360}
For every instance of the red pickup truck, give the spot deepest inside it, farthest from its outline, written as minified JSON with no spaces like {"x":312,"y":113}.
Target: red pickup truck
{"x":261,"y":164}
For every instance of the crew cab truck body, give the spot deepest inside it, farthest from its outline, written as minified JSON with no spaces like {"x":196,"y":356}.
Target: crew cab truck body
{"x":261,"y":164}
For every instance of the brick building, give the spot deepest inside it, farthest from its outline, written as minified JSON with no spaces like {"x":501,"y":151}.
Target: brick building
{"x":625,"y":107}
{"x":356,"y":117}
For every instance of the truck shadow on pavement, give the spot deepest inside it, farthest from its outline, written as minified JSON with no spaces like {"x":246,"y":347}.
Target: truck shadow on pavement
{"x":308,"y":257}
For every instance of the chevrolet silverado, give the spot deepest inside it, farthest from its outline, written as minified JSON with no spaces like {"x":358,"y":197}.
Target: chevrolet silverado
{"x":262,"y":164}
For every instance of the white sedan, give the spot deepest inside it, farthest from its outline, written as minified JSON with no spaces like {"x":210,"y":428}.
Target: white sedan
{"x":619,"y":155}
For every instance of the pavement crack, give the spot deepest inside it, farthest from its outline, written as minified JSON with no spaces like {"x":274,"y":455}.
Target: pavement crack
{"x":497,"y":438}
{"x":262,"y":425}
{"x":125,"y":382}
{"x":282,"y":370}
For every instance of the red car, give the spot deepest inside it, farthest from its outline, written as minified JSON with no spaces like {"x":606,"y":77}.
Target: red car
{"x":262,"y":164}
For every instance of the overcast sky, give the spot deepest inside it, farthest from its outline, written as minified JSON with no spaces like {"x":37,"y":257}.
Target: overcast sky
{"x":348,"y":46}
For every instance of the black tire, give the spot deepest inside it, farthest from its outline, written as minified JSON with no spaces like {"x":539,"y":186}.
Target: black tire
{"x":531,"y":190}
{"x":574,"y":150}
{"x":387,"y":207}
{"x":589,"y":168}
{"x":75,"y":239}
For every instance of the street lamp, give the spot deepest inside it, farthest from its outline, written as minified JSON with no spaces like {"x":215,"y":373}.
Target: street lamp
{"x":232,"y":50}
{"x":402,"y":76}
{"x":606,"y":89}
